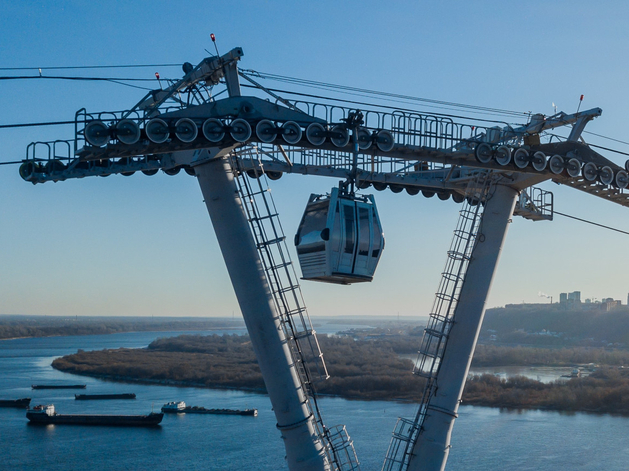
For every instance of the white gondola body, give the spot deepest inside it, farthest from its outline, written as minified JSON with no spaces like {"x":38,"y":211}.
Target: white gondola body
{"x":339,"y":239}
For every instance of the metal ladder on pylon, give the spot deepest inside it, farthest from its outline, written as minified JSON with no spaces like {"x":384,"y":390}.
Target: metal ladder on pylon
{"x":435,"y":338}
{"x":283,"y":283}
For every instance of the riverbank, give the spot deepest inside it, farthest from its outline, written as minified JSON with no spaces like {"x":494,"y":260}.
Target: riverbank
{"x":358,"y":370}
{"x":366,"y":370}
{"x":21,"y":327}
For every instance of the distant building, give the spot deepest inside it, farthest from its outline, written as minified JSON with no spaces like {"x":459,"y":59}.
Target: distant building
{"x":570,"y":298}
{"x":609,"y":304}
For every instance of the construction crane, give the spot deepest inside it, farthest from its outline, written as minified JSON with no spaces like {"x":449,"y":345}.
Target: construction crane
{"x":234,"y":144}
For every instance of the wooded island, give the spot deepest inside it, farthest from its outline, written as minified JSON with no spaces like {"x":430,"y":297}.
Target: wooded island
{"x":369,"y":369}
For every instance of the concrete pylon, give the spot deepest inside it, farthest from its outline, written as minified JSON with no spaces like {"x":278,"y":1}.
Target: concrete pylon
{"x":430,"y":451}
{"x":304,"y":450}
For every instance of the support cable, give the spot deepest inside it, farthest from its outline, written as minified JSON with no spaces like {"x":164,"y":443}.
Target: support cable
{"x":82,"y":67}
{"x":313,"y":83}
{"x":592,"y":222}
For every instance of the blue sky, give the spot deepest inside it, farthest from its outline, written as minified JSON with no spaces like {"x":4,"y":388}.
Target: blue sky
{"x":144,"y":245}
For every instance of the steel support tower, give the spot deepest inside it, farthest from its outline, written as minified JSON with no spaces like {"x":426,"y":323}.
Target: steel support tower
{"x":187,"y":127}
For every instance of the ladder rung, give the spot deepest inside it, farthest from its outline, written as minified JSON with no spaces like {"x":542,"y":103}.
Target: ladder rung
{"x":272,"y":241}
{"x":282,"y":265}
{"x":435,"y":333}
{"x":261,"y":218}
{"x":294,"y":312}
{"x":424,"y":374}
{"x":426,"y":354}
{"x":302,"y":335}
{"x":288,"y":289}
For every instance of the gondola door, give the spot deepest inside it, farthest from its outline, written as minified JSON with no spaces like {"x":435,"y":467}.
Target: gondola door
{"x":347,"y":209}
{"x":363,"y":238}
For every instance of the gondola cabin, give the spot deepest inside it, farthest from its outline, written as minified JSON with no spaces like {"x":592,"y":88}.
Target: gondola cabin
{"x":339,"y":239}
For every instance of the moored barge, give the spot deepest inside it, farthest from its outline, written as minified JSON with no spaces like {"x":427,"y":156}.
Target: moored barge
{"x":17,"y":403}
{"x":46,"y":415}
{"x":180,"y":407}
{"x":58,"y":386}
{"x":85,"y":397}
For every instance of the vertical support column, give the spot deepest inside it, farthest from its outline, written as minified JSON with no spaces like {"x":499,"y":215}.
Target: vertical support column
{"x":304,"y":450}
{"x":431,"y":449}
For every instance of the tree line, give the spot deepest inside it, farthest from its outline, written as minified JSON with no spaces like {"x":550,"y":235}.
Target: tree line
{"x":38,"y":326}
{"x":364,"y":369}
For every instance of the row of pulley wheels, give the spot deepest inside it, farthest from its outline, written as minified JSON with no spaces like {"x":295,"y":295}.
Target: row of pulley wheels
{"x":98,"y":134}
{"x":51,"y":167}
{"x":522,"y":158}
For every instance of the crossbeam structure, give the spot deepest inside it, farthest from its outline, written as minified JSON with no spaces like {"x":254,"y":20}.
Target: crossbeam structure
{"x":189,"y":126}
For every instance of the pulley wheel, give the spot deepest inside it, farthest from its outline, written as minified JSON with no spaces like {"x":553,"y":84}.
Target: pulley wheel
{"x":271,"y":175}
{"x":539,"y":161}
{"x":502,"y":155}
{"x":590,"y":172}
{"x":266,"y":131}
{"x":556,"y":164}
{"x":213,"y":130}
{"x":54,"y":165}
{"x":606,"y":175}
{"x":171,"y":171}
{"x":340,"y":136}
{"x":27,"y":169}
{"x":157,"y":131}
{"x":521,"y":158}
{"x":573,"y":167}
{"x":315,"y":133}
{"x":622,"y":179}
{"x":128,"y":132}
{"x":240,"y":130}
{"x":124,"y":163}
{"x":458,"y":197}
{"x":186,"y":130}
{"x":380,"y":186}
{"x":364,"y":138}
{"x":483,"y":153}
{"x":291,"y":132}
{"x":385,"y":140}
{"x":97,"y":133}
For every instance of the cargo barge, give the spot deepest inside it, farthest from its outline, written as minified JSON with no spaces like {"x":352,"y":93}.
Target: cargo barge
{"x":180,"y":407}
{"x":58,"y":386}
{"x":45,"y":415}
{"x":85,"y":397}
{"x":17,"y":403}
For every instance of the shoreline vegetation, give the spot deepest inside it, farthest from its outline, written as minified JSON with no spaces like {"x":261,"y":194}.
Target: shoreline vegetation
{"x":21,"y":327}
{"x":369,"y":369}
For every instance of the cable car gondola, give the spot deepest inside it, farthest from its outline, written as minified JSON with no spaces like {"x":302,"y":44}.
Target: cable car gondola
{"x":340,"y":238}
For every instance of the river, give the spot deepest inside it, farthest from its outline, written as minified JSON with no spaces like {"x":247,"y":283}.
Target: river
{"x":483,"y":439}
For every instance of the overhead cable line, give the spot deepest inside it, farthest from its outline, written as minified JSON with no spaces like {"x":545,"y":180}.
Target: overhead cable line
{"x":63,"y":77}
{"x":80,"y":67}
{"x":610,"y":150}
{"x":28,"y":125}
{"x":313,"y":83}
{"x":362,"y":103}
{"x":591,"y":222}
{"x":606,"y":137}
{"x":564,"y":138}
